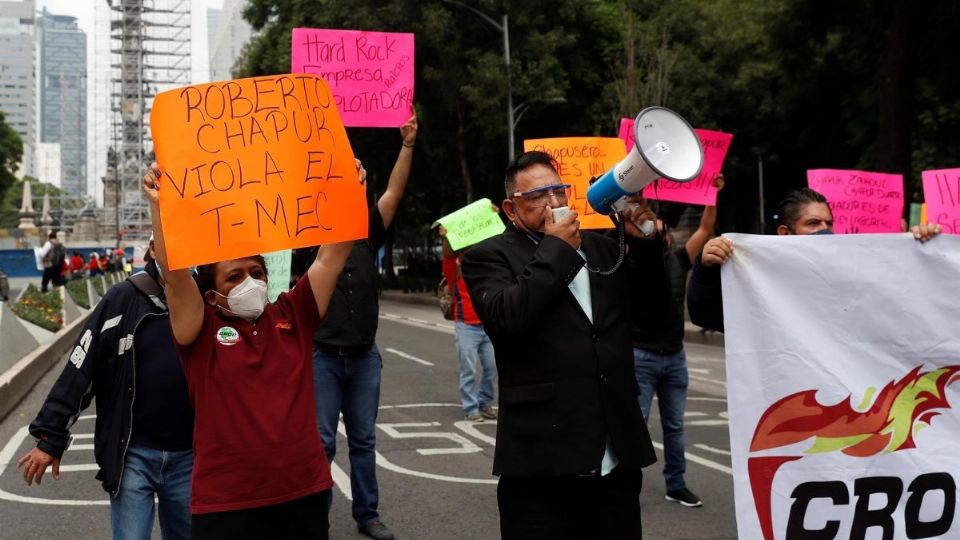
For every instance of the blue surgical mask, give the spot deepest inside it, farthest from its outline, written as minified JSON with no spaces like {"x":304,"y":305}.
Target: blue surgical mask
{"x":822,"y":231}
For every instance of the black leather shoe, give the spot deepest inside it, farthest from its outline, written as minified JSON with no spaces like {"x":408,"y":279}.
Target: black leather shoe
{"x":376,"y":530}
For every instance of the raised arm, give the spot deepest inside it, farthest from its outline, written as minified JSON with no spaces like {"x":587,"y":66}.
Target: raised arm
{"x":397,"y":184}
{"x":183,"y":296}
{"x":708,"y":223}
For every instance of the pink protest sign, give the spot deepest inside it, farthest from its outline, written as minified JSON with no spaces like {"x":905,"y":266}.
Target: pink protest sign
{"x":700,"y":190}
{"x":941,"y":190}
{"x":369,"y":73}
{"x":861,"y":202}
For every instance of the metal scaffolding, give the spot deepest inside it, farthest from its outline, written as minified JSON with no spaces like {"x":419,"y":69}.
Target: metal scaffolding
{"x":150,"y":53}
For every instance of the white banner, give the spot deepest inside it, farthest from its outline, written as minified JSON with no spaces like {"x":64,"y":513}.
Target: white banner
{"x":843,"y":370}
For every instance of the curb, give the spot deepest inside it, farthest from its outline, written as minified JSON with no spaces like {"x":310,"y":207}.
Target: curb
{"x":17,"y":381}
{"x":691,"y":332}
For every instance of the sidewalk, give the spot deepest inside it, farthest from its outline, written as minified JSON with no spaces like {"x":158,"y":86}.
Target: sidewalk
{"x":692,"y":332}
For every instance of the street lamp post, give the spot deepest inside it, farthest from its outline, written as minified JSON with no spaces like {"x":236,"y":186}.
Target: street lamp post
{"x":758,"y":151}
{"x":504,"y":28}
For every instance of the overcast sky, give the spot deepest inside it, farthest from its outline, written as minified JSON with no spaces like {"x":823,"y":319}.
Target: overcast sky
{"x":97,"y":137}
{"x":84,"y":11}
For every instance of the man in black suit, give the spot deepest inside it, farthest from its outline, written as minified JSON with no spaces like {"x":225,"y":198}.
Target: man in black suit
{"x":571,"y":440}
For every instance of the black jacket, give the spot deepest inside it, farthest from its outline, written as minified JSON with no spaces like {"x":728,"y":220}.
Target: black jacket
{"x":566,"y":385}
{"x":102,"y":366}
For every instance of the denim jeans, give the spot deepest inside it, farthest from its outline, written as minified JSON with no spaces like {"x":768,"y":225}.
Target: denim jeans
{"x":351,"y":384}
{"x":474,"y":347}
{"x":148,"y":473}
{"x":666,"y":375}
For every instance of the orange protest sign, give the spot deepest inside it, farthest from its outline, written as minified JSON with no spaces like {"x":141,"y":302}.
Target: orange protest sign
{"x":578,"y":160}
{"x":252,"y":166}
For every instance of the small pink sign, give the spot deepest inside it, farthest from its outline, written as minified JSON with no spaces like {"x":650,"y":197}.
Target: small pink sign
{"x":941,"y":191}
{"x":700,"y":190}
{"x":861,"y":202}
{"x":369,"y":73}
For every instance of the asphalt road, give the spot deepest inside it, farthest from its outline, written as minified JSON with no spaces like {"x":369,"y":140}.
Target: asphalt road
{"x":434,"y":468}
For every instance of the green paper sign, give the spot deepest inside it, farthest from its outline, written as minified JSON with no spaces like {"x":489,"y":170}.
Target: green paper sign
{"x":278,"y":272}
{"x":472,"y":224}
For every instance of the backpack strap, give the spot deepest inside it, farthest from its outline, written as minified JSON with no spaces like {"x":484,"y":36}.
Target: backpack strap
{"x":149,"y":288}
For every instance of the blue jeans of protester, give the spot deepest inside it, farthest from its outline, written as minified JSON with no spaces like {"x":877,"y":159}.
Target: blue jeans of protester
{"x":351,"y":384}
{"x":148,"y":473}
{"x":476,"y":353}
{"x":666,"y":376}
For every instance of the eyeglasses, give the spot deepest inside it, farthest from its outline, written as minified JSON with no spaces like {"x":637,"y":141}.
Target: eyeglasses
{"x":540,"y":196}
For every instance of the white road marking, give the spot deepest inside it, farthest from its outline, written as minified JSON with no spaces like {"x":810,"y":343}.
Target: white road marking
{"x":7,"y":457}
{"x":77,"y":447}
{"x":709,"y":448}
{"x":342,"y":480}
{"x":419,"y":323}
{"x":470,"y":428}
{"x":709,"y":380}
{"x":465,"y":446}
{"x":79,"y":468}
{"x":707,"y":423}
{"x":402,"y":354}
{"x":699,"y":370}
{"x":79,"y":436}
{"x":693,"y":413}
{"x":702,"y":461}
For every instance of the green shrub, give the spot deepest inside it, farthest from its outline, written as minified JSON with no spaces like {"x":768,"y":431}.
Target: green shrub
{"x":42,"y":309}
{"x":77,"y":288}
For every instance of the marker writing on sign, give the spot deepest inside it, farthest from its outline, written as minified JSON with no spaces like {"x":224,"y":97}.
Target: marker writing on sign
{"x":241,"y":128}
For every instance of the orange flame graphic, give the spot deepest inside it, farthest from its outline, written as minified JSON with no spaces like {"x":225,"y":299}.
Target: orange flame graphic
{"x":886,"y":426}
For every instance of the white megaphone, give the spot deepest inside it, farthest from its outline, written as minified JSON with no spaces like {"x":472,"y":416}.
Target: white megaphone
{"x":665,"y":146}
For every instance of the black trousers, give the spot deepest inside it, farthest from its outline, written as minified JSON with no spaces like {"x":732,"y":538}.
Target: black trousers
{"x":574,"y":508}
{"x":50,"y":274}
{"x":300,"y":519}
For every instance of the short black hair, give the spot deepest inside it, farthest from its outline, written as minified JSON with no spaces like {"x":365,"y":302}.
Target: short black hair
{"x":523,"y":162}
{"x":206,"y":275}
{"x":52,"y":235}
{"x":789,"y":209}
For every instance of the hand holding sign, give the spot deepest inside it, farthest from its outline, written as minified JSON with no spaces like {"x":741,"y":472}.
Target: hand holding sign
{"x":252,"y":166}
{"x":471,"y":224}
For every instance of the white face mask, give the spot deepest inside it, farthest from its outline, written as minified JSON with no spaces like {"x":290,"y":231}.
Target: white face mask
{"x":247,"y":299}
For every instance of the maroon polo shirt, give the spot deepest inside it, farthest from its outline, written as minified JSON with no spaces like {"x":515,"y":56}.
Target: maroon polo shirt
{"x":255,"y":434}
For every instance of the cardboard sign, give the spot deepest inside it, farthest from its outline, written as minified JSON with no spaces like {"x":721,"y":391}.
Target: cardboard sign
{"x":278,"y":272}
{"x":861,"y":202}
{"x":700,"y":190}
{"x":579,"y":159}
{"x":941,"y":190}
{"x":471,"y":224}
{"x":370,"y":73}
{"x":252,"y":166}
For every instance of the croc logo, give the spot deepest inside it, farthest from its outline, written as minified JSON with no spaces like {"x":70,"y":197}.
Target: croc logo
{"x":228,"y":336}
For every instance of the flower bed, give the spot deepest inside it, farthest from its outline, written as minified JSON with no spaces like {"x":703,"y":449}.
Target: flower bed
{"x":77,"y":289}
{"x":42,"y":309}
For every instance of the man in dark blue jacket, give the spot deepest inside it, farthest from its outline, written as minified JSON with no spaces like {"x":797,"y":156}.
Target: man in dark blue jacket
{"x":125,"y":358}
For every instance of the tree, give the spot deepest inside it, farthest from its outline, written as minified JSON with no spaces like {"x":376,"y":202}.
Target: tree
{"x":11,"y":152}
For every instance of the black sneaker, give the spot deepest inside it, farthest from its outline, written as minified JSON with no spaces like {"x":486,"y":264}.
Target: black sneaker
{"x":685,"y":497}
{"x":377,"y":530}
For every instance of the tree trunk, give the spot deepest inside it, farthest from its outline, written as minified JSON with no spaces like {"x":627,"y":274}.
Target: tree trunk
{"x":462,"y":152}
{"x":895,"y":84}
